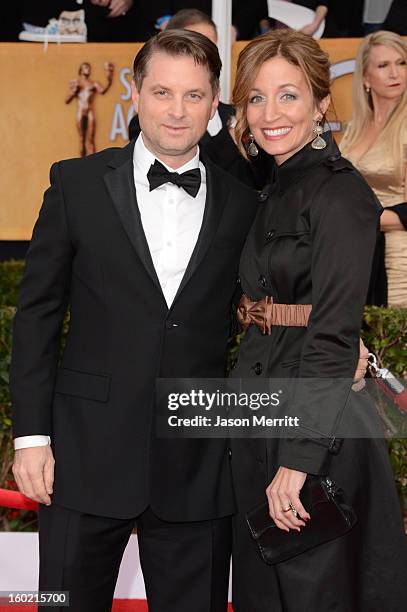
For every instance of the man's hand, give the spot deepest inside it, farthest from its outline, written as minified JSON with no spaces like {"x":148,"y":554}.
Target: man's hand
{"x":33,"y":470}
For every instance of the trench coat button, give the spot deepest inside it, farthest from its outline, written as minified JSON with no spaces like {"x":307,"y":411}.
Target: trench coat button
{"x":263,"y":195}
{"x":258,"y":368}
{"x":171,"y":324}
{"x":262,"y":281}
{"x":270,"y":234}
{"x":230,"y":453}
{"x":334,"y":158}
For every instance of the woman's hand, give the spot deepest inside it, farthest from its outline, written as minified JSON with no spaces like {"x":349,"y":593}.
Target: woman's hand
{"x":390,"y":222}
{"x":362,"y":363}
{"x":283,"y":495}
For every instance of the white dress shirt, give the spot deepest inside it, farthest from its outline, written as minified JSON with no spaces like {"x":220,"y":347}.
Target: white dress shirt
{"x":171,"y":220}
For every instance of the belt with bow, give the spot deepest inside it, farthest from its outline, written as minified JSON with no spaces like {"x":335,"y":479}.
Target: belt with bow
{"x":265,"y":314}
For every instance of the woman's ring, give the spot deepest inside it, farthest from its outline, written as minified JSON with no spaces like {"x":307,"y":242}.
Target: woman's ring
{"x":286,"y":509}
{"x":293,"y":510}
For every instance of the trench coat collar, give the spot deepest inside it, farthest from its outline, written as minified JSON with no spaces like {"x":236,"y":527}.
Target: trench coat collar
{"x":290,"y":172}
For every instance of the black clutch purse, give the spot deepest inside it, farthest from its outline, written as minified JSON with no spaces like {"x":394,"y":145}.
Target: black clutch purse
{"x":331,"y":518}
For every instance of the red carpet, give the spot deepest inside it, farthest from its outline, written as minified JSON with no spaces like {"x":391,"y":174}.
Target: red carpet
{"x":119,"y":605}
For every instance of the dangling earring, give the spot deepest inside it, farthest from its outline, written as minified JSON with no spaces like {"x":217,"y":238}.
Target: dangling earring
{"x":251,"y":147}
{"x":367,"y":90}
{"x":318,"y":142}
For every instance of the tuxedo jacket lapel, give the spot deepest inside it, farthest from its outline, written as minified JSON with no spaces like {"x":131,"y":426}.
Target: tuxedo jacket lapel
{"x":216,"y":197}
{"x":120,"y":184}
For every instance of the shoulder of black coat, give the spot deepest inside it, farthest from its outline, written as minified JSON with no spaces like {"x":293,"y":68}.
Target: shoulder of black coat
{"x":337,"y":163}
{"x":90,"y":161}
{"x":342,"y":183}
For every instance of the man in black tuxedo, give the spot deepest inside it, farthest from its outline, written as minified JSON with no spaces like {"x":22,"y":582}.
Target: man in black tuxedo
{"x":143,"y":244}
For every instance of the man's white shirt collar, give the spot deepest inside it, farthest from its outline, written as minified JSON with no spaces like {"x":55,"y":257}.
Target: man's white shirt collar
{"x":143,"y":159}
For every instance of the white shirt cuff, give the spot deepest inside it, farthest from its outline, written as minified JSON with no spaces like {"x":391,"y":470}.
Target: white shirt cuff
{"x":31,"y":441}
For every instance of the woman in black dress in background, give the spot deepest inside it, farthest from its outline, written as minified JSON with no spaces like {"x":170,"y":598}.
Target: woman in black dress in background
{"x":311,"y":246}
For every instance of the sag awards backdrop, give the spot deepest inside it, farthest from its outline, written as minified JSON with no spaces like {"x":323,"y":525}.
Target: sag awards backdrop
{"x":66,"y":100}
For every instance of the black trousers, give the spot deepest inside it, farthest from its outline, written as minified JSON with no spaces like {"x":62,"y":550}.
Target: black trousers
{"x":185,"y":565}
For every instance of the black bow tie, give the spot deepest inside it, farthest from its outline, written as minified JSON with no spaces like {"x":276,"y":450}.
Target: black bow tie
{"x":189,"y":180}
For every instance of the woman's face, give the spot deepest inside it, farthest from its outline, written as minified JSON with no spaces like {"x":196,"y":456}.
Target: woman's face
{"x":281,"y":112}
{"x":386,"y":73}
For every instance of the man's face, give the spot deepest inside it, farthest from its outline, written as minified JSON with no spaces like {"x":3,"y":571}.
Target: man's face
{"x":174,"y":105}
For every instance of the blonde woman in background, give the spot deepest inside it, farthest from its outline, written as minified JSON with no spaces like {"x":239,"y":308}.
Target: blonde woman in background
{"x":376,"y":143}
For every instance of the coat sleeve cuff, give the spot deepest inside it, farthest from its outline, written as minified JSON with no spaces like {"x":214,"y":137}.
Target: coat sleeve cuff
{"x":401,"y":211}
{"x":305,"y":455}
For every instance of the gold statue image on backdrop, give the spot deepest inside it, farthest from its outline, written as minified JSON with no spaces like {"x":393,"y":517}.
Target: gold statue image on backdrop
{"x":85,"y":90}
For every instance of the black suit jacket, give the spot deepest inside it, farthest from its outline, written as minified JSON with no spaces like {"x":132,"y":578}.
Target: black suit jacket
{"x":89,"y":251}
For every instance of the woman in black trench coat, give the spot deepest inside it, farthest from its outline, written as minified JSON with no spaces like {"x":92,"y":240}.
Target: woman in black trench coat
{"x":311,"y":244}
